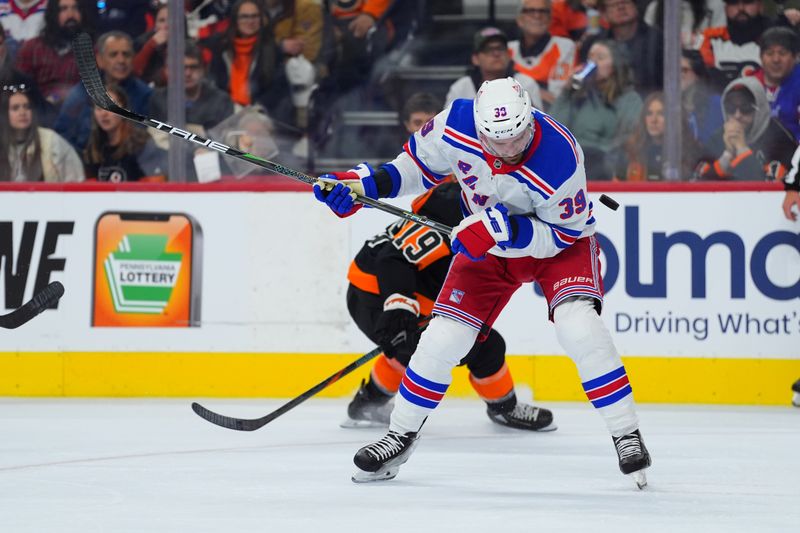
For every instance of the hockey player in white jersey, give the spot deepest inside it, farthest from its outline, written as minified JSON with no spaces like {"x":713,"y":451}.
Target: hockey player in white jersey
{"x":527,"y":218}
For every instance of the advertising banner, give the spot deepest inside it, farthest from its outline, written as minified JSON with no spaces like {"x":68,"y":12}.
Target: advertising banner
{"x":147,"y":270}
{"x":701,"y":274}
{"x":707,"y":274}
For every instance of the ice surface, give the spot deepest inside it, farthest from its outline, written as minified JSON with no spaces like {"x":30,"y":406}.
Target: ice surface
{"x":154,"y":466}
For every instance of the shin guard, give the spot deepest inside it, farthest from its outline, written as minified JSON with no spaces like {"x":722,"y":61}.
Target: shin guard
{"x":443,"y":344}
{"x":588,"y":342}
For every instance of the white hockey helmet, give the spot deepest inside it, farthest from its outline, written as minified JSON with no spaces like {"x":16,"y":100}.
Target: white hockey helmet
{"x":503,"y":117}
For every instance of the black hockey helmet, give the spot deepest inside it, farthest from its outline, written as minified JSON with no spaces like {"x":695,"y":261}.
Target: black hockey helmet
{"x":441,"y":203}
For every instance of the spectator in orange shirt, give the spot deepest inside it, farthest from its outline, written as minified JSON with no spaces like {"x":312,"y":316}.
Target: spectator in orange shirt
{"x":247,"y":63}
{"x":576,"y":19}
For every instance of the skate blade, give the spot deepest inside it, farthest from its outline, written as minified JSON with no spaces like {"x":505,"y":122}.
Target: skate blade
{"x":351,"y":423}
{"x":640,"y":478}
{"x":550,"y":427}
{"x":384,"y":474}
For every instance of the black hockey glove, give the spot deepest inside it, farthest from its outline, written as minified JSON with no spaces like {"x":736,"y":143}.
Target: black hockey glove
{"x":397,"y":328}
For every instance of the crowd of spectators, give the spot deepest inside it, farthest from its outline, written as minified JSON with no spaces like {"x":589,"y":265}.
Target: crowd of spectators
{"x":287,"y":61}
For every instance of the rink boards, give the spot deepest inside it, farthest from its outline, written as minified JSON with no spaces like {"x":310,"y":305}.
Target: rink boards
{"x":238,"y":291}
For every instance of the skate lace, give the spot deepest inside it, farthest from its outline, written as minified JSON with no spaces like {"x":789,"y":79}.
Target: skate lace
{"x":389,"y":445}
{"x":628,"y":446}
{"x":523,"y":411}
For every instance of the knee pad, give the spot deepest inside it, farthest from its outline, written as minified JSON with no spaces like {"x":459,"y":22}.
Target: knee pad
{"x":445,"y":340}
{"x":580,"y":330}
{"x":488,"y":357}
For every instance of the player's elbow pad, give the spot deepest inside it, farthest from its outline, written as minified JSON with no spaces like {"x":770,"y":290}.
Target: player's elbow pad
{"x":521,"y":232}
{"x":387,"y":181}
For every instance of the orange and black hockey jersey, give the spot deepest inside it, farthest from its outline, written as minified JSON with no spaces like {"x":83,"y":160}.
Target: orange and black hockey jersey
{"x":409,"y":258}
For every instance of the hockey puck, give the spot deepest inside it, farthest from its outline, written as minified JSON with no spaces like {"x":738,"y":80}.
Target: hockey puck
{"x":608,"y":202}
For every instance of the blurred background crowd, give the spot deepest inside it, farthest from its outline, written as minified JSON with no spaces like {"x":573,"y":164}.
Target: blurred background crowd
{"x":322,"y":85}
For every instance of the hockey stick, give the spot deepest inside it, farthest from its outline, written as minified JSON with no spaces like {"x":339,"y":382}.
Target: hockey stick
{"x":87,"y":67}
{"x":252,"y":424}
{"x":41,"y":301}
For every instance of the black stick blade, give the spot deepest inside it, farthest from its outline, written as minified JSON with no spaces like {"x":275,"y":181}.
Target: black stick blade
{"x":41,"y":301}
{"x":228,"y":422}
{"x":245,"y":424}
{"x":83,"y":49}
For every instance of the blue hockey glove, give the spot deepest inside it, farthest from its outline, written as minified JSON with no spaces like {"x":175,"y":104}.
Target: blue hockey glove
{"x":338,"y":190}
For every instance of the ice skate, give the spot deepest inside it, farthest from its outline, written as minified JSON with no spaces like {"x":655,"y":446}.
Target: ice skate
{"x":796,"y":393}
{"x":633,"y":457}
{"x":370,"y":408}
{"x":380,"y":461}
{"x":523,"y":416}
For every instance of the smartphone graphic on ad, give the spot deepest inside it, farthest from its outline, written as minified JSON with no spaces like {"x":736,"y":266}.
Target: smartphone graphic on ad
{"x":147,"y":270}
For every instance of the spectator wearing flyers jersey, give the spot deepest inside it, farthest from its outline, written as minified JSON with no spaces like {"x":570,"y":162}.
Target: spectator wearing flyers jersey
{"x":732,"y":50}
{"x":543,"y":57}
{"x":491,"y":60}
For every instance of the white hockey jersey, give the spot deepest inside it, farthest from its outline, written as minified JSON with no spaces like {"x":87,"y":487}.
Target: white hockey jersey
{"x":549,"y":186}
{"x":551,"y":67}
{"x":20,"y":24}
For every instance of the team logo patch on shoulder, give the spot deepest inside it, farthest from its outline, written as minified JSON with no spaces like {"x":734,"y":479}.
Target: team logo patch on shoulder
{"x":426,"y":129}
{"x":456,"y":296}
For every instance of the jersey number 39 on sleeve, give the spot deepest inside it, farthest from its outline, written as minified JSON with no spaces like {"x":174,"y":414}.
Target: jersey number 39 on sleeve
{"x":573,"y":206}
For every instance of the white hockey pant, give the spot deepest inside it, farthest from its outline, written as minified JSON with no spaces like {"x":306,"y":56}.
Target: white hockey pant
{"x":442,"y":346}
{"x":585,"y":338}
